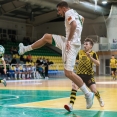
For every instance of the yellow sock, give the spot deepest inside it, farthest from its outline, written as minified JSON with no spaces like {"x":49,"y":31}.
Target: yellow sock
{"x":97,"y":95}
{"x":73,"y":96}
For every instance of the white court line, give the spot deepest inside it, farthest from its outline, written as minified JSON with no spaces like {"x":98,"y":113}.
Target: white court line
{"x":30,"y":83}
{"x":111,"y":82}
{"x":25,"y":80}
{"x":16,"y":97}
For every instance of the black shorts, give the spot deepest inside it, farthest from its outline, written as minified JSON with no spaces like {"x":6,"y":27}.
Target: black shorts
{"x":113,"y":69}
{"x":87,"y":79}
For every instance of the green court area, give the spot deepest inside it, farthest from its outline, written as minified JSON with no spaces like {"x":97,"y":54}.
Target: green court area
{"x":10,"y":98}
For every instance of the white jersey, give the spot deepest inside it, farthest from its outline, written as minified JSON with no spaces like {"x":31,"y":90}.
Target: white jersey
{"x":70,"y":16}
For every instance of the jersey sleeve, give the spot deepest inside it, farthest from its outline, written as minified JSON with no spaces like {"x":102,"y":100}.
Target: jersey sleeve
{"x":95,"y":56}
{"x":69,"y":17}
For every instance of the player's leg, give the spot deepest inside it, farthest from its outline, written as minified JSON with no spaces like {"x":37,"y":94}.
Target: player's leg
{"x":69,"y":107}
{"x":69,"y":65}
{"x":47,"y":38}
{"x":15,"y":75}
{"x":112,"y":73}
{"x":3,"y":80}
{"x":97,"y":94}
{"x":90,"y":82}
{"x":19,"y":74}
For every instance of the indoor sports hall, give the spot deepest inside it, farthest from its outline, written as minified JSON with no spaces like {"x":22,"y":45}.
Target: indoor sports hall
{"x":36,"y":83}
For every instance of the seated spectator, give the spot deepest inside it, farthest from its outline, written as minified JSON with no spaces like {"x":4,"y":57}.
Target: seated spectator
{"x":15,"y":51}
{"x":14,"y":61}
{"x":24,"y":72}
{"x":17,"y":70}
{"x":29,"y":58}
{"x":7,"y":59}
{"x":11,"y":50}
{"x":38,"y":62}
{"x":41,"y":61}
{"x":22,"y":59}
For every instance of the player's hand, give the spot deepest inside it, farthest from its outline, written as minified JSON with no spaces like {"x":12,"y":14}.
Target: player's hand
{"x":68,"y":45}
{"x":4,"y":71}
{"x":88,"y":54}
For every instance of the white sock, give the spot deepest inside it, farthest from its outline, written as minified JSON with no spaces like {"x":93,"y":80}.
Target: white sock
{"x":28,"y":48}
{"x":84,"y":89}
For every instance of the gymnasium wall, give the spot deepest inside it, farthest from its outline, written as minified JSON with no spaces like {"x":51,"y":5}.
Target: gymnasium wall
{"x":14,"y":24}
{"x":91,"y":27}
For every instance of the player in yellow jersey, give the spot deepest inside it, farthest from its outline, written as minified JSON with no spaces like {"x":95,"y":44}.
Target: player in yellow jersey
{"x":86,"y":58}
{"x":113,"y":65}
{"x":2,"y":61}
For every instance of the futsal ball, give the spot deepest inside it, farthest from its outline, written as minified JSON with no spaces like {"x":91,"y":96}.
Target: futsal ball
{"x":2,"y":50}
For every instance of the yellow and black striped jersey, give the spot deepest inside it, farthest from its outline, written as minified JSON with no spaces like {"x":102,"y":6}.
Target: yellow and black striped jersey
{"x":113,"y":63}
{"x":85,"y":65}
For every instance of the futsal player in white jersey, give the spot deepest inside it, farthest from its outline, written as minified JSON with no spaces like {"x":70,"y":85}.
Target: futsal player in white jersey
{"x":70,"y":45}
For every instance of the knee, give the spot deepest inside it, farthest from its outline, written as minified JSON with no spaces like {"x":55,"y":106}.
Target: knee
{"x":46,"y":37}
{"x":94,"y":90}
{"x":68,"y":73}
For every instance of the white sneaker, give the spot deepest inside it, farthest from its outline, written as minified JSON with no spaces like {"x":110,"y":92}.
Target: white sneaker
{"x":89,"y":100}
{"x":4,"y":82}
{"x":68,"y":107}
{"x":21,"y":49}
{"x":101,"y":102}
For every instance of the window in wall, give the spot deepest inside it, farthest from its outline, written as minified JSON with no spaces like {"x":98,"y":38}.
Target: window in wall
{"x":107,"y":66}
{"x":9,"y":31}
{"x":4,"y":31}
{"x":14,"y":32}
{"x":107,"y":62}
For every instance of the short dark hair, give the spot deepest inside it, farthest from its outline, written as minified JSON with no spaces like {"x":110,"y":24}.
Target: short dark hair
{"x":112,"y":55}
{"x":62,"y":4}
{"x":89,"y":40}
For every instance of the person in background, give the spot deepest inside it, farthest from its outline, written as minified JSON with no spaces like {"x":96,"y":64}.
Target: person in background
{"x":113,"y":65}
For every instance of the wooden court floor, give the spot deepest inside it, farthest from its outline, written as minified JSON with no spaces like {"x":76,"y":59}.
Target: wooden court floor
{"x":46,"y":98}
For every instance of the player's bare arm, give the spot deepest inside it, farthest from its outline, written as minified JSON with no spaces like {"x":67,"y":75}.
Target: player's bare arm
{"x":72,"y":31}
{"x":94,"y":60}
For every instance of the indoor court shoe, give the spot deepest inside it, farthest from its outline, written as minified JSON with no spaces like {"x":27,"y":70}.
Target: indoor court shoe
{"x":4,"y":82}
{"x":89,"y":100}
{"x":101,"y":102}
{"x":21,"y":49}
{"x":68,"y":107}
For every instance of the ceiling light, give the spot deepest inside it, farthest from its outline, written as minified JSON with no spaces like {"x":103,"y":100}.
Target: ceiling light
{"x":104,"y":2}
